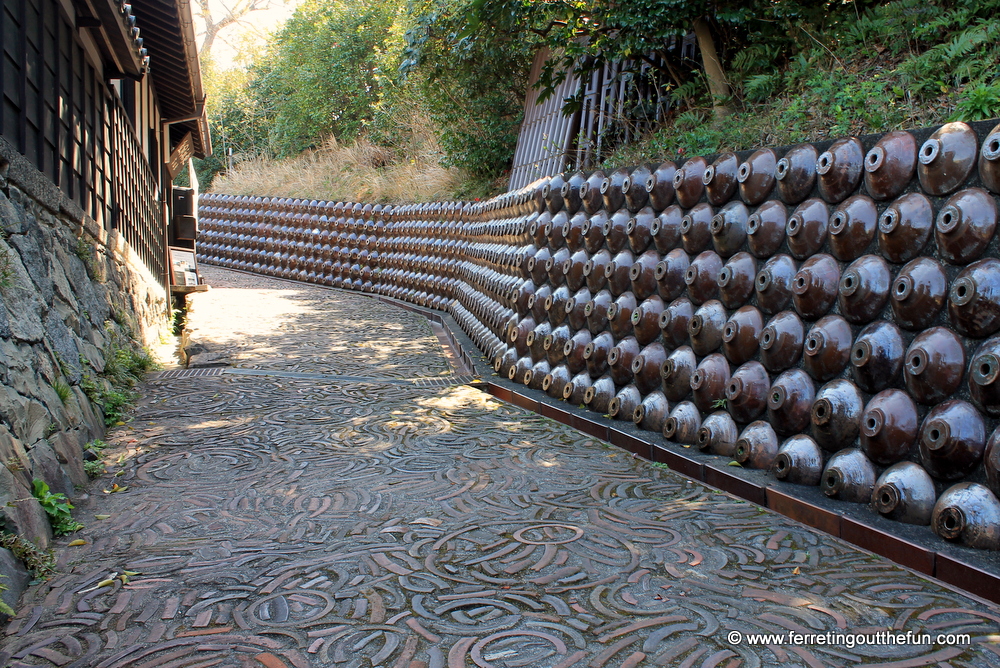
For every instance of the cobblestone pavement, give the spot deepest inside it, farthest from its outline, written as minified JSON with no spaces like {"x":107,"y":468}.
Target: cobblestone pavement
{"x":275,"y":521}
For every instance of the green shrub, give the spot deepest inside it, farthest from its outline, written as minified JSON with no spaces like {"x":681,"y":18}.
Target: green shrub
{"x":94,"y":469}
{"x":57,"y":507}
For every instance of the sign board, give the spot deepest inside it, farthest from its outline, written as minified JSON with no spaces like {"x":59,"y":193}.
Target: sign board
{"x":180,"y":155}
{"x":183,"y":267}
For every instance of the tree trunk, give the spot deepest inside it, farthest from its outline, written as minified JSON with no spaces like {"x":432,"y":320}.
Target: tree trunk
{"x":718,"y":85}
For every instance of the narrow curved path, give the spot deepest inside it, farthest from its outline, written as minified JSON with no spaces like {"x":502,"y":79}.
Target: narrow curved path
{"x":320,"y":508}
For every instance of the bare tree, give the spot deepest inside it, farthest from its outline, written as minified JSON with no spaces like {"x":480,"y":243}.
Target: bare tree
{"x":234,"y":14}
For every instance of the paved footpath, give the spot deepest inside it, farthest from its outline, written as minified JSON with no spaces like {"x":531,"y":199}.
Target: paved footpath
{"x":320,"y":509}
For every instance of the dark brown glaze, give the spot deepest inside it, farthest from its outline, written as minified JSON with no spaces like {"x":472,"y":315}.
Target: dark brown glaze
{"x":555,"y":305}
{"x":965,"y":225}
{"x":536,"y":265}
{"x":702,"y":277}
{"x":836,"y":415}
{"x":905,"y":227}
{"x":952,"y":440}
{"x":970,"y":514}
{"x":708,"y":382}
{"x":642,"y":274}
{"x":849,"y":476}
{"x":556,"y":380}
{"x":518,"y":335}
{"x":705,"y":327}
{"x":736,"y":280}
{"x":890,"y":164}
{"x":747,"y":391}
{"x":615,"y":236}
{"x":852,"y":227}
{"x":537,"y":228}
{"x":756,"y":176}
{"x":552,"y":192}
{"x":805,"y":231}
{"x":974,"y":299}
{"x":554,"y":230}
{"x":989,"y":161}
{"x":620,"y":315}
{"x":536,"y":341}
{"x":877,"y":356}
{"x":573,"y":351}
{"x":864,"y":289}
{"x":741,"y":333}
{"x":596,"y":311}
{"x":555,"y":345}
{"x":827,"y":348}
{"x":571,"y":192}
{"x":781,"y":341}
{"x":524,"y":293}
{"x":624,"y":403}
{"x":652,"y":413}
{"x":984,"y":374}
{"x":646,"y":368}
{"x":575,"y":390}
{"x":634,"y":190}
{"x":620,"y":360}
{"x":676,"y":371}
{"x":638,"y":228}
{"x":766,"y":228}
{"x":666,"y":229}
{"x":646,"y":319}
{"x":839,"y":169}
{"x":905,"y":493}
{"x":593,"y":270}
{"x":682,"y":424}
{"x":889,"y":427}
{"x":789,"y":403}
{"x":933,"y":365}
{"x":526,"y":253}
{"x":799,"y":461}
{"x":554,"y":266}
{"x":773,"y":284}
{"x":719,"y":179}
{"x":946,"y":159}
{"x":595,"y":355}
{"x":573,"y":231}
{"x":757,"y":446}
{"x":590,"y":193}
{"x":991,"y":461}
{"x":573,"y":269}
{"x":729,"y":228}
{"x":660,"y":186}
{"x":688,"y":184}
{"x":520,"y":369}
{"x":796,"y":173}
{"x":599,"y":395}
{"x":718,"y":434}
{"x":674,"y":321}
{"x":503,"y":362}
{"x":593,"y":232}
{"x":918,"y":293}
{"x":696,"y":228}
{"x":535,"y":376}
{"x":814,"y":287}
{"x":617,"y":272}
{"x":670,"y":273}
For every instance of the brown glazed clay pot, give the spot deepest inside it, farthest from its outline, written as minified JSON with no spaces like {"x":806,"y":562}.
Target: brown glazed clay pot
{"x":757,"y":446}
{"x":590,"y":193}
{"x":933,"y":365}
{"x":952,"y":440}
{"x":594,"y":270}
{"x":535,"y":376}
{"x":789,"y":403}
{"x":634,"y":189}
{"x":918,"y":293}
{"x":683,"y":424}
{"x":905,"y":493}
{"x":708,"y":382}
{"x":666,"y":229}
{"x":520,"y":369}
{"x":766,"y":229}
{"x":756,"y":176}
{"x":946,"y":159}
{"x":674,"y":321}
{"x":781,"y":341}
{"x":615,"y":236}
{"x":877,"y":356}
{"x":705,"y":327}
{"x":848,"y":476}
{"x":688,"y":184}
{"x":827,"y":348}
{"x":984,"y":372}
{"x":555,"y":382}
{"x":670,"y":273}
{"x":642,"y":274}
{"x":573,"y":269}
{"x":624,"y":403}
{"x":814,"y":287}
{"x":646,"y":320}
{"x":968,"y":513}
{"x":805,"y":230}
{"x":593,"y":232}
{"x":536,"y":341}
{"x":991,"y":461}
{"x":864,"y":289}
{"x":746,"y":393}
{"x":652,"y":412}
{"x":660,"y":186}
{"x":799,"y":461}
{"x":573,"y":351}
{"x":646,"y":368}
{"x":573,"y":230}
{"x":773,"y":284}
{"x":852,"y":228}
{"x":617,"y":272}
{"x":696,"y":229}
{"x":599,"y":395}
{"x":740,"y":335}
{"x":676,"y":372}
{"x":524,"y":292}
{"x":719,"y":179}
{"x":536,"y":265}
{"x":989,"y":161}
{"x":554,"y":345}
{"x":620,"y":360}
{"x":503,"y":362}
{"x":575,"y":390}
{"x":596,"y":311}
{"x":571,"y":192}
{"x":889,"y":427}
{"x":718,"y":434}
{"x":595,"y":354}
{"x":576,"y":308}
{"x":905,"y":227}
{"x":890,"y":164}
{"x":554,"y":231}
{"x":555,"y":305}
{"x":620,"y":315}
{"x":702,"y":277}
{"x":836,"y":414}
{"x":518,"y":335}
{"x":839,"y":169}
{"x":729,"y":228}
{"x":796,"y":173}
{"x":965,"y":225}
{"x":639,"y":230}
{"x":736,"y":280}
{"x":974,"y":299}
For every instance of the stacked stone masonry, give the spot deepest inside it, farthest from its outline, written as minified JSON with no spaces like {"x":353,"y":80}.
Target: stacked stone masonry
{"x":828,"y":312}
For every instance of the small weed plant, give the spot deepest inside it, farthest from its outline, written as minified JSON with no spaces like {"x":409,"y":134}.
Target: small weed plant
{"x":62,"y":390}
{"x":57,"y":507}
{"x":94,"y":469}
